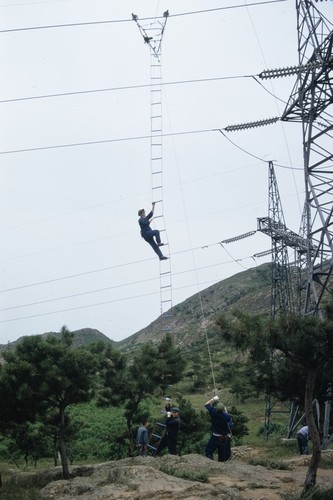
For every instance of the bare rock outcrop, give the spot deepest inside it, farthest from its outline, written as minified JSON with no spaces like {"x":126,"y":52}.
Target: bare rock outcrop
{"x":143,"y":478}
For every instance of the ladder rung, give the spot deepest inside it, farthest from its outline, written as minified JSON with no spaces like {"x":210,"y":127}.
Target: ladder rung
{"x":161,"y":424}
{"x":156,"y":436}
{"x":152,"y":447}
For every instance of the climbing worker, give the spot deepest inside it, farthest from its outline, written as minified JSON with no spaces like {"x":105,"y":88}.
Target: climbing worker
{"x":169,"y":438}
{"x":221,"y":430}
{"x":142,"y":438}
{"x":303,"y":437}
{"x":149,"y":234}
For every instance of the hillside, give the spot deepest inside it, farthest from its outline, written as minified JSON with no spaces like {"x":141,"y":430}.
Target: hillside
{"x":246,"y":291}
{"x":85,"y":336}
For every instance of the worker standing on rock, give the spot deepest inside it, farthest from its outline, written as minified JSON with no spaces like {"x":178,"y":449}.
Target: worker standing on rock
{"x":221,"y":430}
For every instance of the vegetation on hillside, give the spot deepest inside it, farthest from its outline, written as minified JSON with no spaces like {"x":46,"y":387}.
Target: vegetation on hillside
{"x":86,"y":402}
{"x":291,"y":358}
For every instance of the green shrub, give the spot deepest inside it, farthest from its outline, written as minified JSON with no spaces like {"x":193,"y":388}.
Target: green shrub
{"x":190,"y":475}
{"x":314,"y":494}
{"x":14,"y":492}
{"x":269,"y":463}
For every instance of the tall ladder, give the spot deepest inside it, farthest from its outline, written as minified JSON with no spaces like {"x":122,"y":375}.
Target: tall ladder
{"x":152,"y":34}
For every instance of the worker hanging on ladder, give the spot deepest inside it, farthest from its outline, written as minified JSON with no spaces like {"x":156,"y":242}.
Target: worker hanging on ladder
{"x":149,"y":234}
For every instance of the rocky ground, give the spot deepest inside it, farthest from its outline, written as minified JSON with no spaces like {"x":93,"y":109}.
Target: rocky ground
{"x":143,"y":478}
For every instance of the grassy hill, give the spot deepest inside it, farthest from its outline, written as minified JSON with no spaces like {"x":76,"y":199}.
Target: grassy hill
{"x":84,"y":336}
{"x":190,"y":320}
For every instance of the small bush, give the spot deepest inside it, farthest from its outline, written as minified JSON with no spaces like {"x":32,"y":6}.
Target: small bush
{"x":13,"y":492}
{"x":269,"y":463}
{"x":190,"y":475}
{"x":314,"y":494}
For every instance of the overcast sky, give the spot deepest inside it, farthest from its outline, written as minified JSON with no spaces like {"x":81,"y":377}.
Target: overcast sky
{"x":71,"y":252}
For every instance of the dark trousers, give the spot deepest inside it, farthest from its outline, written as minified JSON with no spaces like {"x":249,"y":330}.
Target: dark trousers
{"x":142,"y":448}
{"x":302,"y":442}
{"x":223,"y":446}
{"x":149,"y":237}
{"x":168,"y":441}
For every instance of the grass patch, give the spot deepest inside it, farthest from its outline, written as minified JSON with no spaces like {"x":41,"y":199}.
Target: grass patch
{"x":190,"y":475}
{"x":13,"y":492}
{"x":269,"y":463}
{"x":314,"y":494}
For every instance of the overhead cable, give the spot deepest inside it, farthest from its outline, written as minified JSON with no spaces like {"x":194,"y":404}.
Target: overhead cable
{"x":100,"y":303}
{"x":125,"y":87}
{"x":114,"y":21}
{"x":103,"y":141}
{"x":98,"y":270}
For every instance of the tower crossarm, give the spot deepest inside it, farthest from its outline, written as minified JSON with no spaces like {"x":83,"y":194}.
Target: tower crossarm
{"x":278,"y":231}
{"x":313,"y":89}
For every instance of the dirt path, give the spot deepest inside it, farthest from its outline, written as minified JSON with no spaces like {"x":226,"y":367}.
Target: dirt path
{"x":268,"y":484}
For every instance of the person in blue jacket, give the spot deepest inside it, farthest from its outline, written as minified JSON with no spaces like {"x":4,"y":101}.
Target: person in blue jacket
{"x":142,"y":438}
{"x":148,"y":234}
{"x":220,"y":438}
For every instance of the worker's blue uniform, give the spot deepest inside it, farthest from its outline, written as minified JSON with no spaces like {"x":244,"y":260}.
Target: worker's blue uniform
{"x":149,"y":234}
{"x":221,"y":433}
{"x":169,"y":438}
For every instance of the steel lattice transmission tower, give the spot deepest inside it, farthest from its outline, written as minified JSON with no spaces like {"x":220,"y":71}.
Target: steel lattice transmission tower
{"x":283,"y":277}
{"x":311,"y":104}
{"x":282,"y":297}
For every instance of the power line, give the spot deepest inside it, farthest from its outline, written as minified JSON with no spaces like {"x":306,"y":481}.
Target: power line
{"x":103,"y":141}
{"x":114,"y":21}
{"x":125,"y":87}
{"x":93,"y":305}
{"x":94,"y":271}
{"x":254,"y":156}
{"x":134,"y":138}
{"x":121,"y":285}
{"x":118,"y":299}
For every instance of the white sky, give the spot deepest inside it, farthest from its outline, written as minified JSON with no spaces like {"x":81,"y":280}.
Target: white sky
{"x":73,"y":210}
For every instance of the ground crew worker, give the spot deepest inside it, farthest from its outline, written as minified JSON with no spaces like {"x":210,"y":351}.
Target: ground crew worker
{"x":303,"y":437}
{"x":142,"y":438}
{"x":220,"y":438}
{"x":169,"y":438}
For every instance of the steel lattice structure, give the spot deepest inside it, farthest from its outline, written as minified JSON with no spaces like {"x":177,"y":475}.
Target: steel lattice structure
{"x":274,"y":226}
{"x":310,"y":103}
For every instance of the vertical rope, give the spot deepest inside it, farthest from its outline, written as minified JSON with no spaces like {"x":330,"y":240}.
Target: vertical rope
{"x":196,"y":272}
